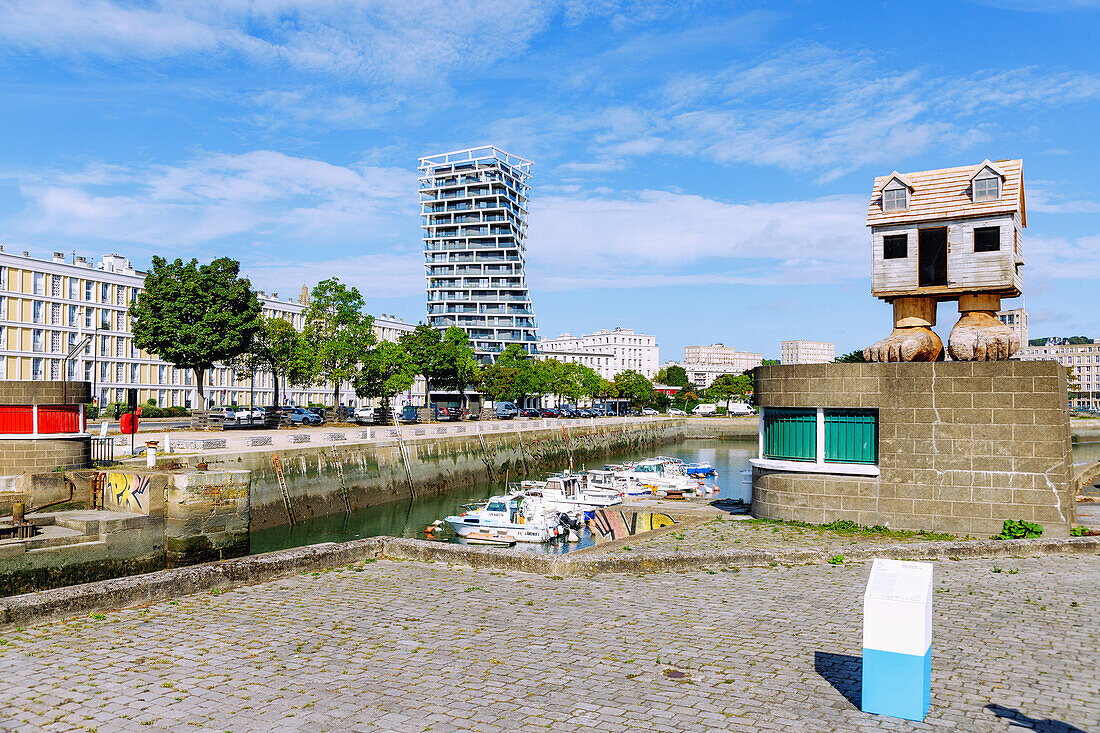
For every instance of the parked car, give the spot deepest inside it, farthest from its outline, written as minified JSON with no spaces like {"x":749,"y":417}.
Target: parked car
{"x":740,"y":409}
{"x":229,"y":415}
{"x":633,"y":412}
{"x":584,"y":412}
{"x":302,"y":416}
{"x":364,"y":415}
{"x":443,"y":413}
{"x":676,"y":411}
{"x":649,"y":411}
{"x":506,"y":410}
{"x":706,"y":408}
{"x":319,"y":412}
{"x":529,"y":412}
{"x":409,"y":414}
{"x":547,"y":412}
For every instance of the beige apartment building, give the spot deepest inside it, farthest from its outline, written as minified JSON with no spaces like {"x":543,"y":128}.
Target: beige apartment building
{"x":48,"y":307}
{"x":1016,"y":319}
{"x":1082,"y":359}
{"x":609,"y":352}
{"x":720,"y":357}
{"x":806,"y":352}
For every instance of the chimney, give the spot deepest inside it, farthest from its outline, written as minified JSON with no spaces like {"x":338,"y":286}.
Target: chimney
{"x":275,"y":296}
{"x":58,"y":257}
{"x":26,"y":253}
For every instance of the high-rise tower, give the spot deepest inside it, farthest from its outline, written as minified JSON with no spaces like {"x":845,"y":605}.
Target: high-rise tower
{"x":474,"y":210}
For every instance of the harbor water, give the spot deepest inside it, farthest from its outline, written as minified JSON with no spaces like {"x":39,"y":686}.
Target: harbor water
{"x":408,"y":518}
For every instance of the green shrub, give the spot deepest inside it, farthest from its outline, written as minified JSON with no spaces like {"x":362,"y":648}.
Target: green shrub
{"x":1015,"y":529}
{"x":836,"y":560}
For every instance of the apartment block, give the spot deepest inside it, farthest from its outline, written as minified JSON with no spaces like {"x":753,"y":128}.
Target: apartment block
{"x":48,"y":308}
{"x":609,"y":352}
{"x":1016,"y":319}
{"x":720,"y":356}
{"x":1084,"y":362}
{"x":806,"y":352}
{"x":474,"y":209}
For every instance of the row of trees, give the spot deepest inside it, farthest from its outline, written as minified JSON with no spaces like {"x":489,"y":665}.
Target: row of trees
{"x":195,"y":316}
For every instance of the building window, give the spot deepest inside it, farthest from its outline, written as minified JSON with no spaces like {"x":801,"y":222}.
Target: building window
{"x":36,"y":312}
{"x":987,"y":189}
{"x":987,"y":239}
{"x":851,"y":436}
{"x":88,"y":290}
{"x":895,"y":199}
{"x":39,"y":283}
{"x":36,"y":370}
{"x":104,"y":293}
{"x":36,"y":340}
{"x":790,"y":434}
{"x":895,"y":246}
{"x":74,"y":288}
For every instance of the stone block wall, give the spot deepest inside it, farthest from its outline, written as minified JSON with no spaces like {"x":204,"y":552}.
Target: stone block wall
{"x":38,"y":455}
{"x":963,"y":446}
{"x":207,"y":516}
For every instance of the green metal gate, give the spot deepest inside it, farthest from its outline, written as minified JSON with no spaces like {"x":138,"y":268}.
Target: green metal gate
{"x":851,"y":436}
{"x":790,"y":434}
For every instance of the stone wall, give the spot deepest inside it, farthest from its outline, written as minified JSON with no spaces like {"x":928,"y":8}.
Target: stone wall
{"x":318,"y":478}
{"x":207,"y":516}
{"x":963,"y":446}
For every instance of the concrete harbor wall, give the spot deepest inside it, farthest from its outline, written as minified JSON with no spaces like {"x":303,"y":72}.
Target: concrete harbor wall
{"x":323,"y":480}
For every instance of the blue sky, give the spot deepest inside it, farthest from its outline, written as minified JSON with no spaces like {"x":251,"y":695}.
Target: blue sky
{"x":701,"y":169}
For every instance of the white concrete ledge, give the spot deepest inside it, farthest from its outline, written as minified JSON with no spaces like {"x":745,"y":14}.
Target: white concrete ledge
{"x":846,"y":469}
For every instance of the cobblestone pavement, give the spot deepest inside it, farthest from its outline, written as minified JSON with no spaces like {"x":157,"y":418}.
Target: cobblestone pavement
{"x":406,"y":646}
{"x":732,"y":532}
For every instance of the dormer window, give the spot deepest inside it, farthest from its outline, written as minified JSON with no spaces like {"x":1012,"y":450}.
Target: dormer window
{"x":988,"y":188}
{"x":895,"y":199}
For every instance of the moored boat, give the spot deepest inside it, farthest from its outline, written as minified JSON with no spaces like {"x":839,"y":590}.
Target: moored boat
{"x":515,"y":516}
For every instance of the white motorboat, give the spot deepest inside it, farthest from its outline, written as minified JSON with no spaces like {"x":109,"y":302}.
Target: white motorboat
{"x":570,"y":493}
{"x":514,"y":516}
{"x":664,"y":477}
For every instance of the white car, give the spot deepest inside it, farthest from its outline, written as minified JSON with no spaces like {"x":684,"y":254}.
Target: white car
{"x":649,"y":411}
{"x":228,"y":414}
{"x":707,"y":408}
{"x":676,"y":411}
{"x":364,"y":415}
{"x":740,"y":409}
{"x":246,"y":414}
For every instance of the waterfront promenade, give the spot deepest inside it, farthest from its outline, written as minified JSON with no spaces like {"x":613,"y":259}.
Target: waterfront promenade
{"x":413,"y":646}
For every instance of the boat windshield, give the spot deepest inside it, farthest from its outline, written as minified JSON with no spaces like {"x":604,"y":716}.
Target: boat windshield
{"x":646,"y":468}
{"x":495,"y":506}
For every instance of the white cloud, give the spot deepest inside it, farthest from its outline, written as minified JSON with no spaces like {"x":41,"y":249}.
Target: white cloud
{"x":662,"y":238}
{"x":379,"y":275}
{"x":217,"y":196}
{"x":1070,"y":258}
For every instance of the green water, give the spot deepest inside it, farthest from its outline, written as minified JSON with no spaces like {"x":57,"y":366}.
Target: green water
{"x":408,"y":518}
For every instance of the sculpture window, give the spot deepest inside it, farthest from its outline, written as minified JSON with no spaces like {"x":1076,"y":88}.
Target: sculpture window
{"x":987,"y":239}
{"x":895,"y":246}
{"x":987,"y":189}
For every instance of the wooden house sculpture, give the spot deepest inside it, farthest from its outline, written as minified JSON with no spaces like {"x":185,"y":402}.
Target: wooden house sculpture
{"x":948,"y":234}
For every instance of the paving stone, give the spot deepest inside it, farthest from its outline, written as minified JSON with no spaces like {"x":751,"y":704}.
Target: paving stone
{"x":407,"y":646}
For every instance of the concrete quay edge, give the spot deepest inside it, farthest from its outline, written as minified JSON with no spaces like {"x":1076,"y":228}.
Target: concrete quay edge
{"x":136,"y":590}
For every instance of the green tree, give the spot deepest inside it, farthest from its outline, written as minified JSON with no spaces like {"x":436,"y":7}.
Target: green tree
{"x":512,"y":376}
{"x":276,"y":348}
{"x":194,"y":316}
{"x":385,"y":370}
{"x":852,"y":357}
{"x":730,"y":386}
{"x":456,"y":368}
{"x":590,"y":381}
{"x":769,"y":362}
{"x":673,"y":376}
{"x":337,"y":332}
{"x":634,"y":387}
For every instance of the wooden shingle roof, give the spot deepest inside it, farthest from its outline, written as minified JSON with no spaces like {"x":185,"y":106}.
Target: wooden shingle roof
{"x":945,"y":194}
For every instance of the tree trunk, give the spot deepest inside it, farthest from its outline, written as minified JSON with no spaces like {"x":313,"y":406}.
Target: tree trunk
{"x":200,"y":374}
{"x":275,"y":388}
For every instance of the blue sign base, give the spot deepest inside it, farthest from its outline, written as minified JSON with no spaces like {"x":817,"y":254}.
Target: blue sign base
{"x":899,"y":685}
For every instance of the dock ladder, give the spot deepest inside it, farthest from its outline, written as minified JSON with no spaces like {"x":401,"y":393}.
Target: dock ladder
{"x":343,"y":484}
{"x":282,"y":487}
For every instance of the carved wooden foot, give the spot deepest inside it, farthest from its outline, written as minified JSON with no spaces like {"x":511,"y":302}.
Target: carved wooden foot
{"x":980,"y":336}
{"x":906,"y":344}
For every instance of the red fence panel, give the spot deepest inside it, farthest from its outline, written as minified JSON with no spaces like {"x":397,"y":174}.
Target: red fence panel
{"x":16,"y":419}
{"x":58,"y":419}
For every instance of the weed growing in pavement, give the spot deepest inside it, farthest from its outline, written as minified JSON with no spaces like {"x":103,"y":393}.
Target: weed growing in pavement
{"x":1016,"y":529}
{"x":848,"y":527}
{"x":836,"y":560}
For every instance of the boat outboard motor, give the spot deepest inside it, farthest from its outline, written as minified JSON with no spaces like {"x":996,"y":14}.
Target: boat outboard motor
{"x":568,"y":521}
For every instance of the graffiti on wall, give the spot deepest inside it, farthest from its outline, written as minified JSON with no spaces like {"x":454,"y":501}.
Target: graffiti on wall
{"x":128,"y":491}
{"x":614,"y":524}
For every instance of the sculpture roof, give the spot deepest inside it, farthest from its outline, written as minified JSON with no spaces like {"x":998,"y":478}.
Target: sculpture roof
{"x":945,"y":194}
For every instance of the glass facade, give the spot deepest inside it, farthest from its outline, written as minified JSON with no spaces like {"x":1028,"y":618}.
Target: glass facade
{"x":474,"y":216}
